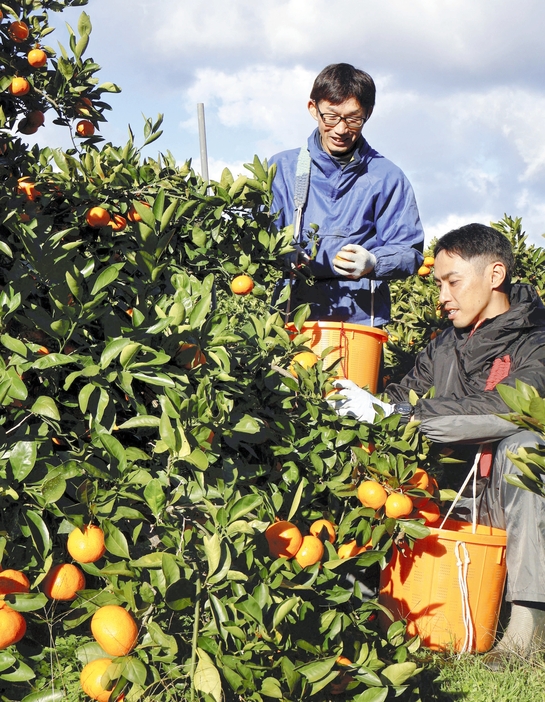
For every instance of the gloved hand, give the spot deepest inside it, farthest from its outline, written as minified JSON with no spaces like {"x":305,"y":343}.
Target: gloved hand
{"x":358,"y":403}
{"x":353,"y":261}
{"x":296,"y":258}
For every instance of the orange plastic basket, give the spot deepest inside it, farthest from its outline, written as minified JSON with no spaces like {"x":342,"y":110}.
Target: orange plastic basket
{"x":423,"y":587}
{"x":359,"y":348}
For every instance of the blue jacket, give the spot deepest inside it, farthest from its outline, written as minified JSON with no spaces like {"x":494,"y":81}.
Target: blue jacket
{"x":368,"y":202}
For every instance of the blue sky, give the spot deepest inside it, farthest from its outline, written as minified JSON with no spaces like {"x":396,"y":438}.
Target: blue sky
{"x":460,"y":101}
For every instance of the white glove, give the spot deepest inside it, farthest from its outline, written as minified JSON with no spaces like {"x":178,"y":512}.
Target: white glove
{"x":359,"y":403}
{"x":296,"y":258}
{"x":353,"y":261}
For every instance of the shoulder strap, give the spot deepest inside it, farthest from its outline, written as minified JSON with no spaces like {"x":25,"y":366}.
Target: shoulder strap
{"x":300,"y":194}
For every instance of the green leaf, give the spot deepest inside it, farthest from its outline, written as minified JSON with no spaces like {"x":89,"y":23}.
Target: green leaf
{"x":244,"y":506}
{"x":399,"y":673}
{"x":22,"y":459}
{"x":317,"y":669}
{"x":373,"y":694}
{"x":297,"y":498}
{"x":155,"y":497}
{"x":207,"y":678}
{"x":143,"y":420}
{"x":112,"y":350}
{"x":22,"y":674}
{"x":46,"y":407}
{"x":53,"y":489}
{"x":107,"y":276}
{"x":14,"y":345}
{"x":38,"y":532}
{"x":282,"y":611}
{"x":115,"y":540}
{"x":271,"y":688}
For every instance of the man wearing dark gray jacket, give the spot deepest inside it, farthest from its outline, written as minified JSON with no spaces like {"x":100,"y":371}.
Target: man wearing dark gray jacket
{"x":498,"y":336}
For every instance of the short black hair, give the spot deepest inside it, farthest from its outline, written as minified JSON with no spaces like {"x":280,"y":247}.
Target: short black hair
{"x":477,"y":240}
{"x":339,"y":82}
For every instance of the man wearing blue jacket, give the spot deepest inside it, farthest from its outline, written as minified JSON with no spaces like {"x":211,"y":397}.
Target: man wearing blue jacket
{"x":369,"y":230}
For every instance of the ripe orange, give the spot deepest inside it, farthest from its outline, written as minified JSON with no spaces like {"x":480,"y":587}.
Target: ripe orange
{"x":242,"y":285}
{"x":337,"y":688}
{"x":118,"y":223}
{"x":198,"y":359}
{"x":27,"y":187}
{"x":43,"y":351}
{"x":36,"y":118}
{"x":84,"y":128}
{"x":97,"y":217}
{"x":343,"y":660}
{"x":323,"y":529}
{"x":91,"y":679}
{"x":86,"y":546}
{"x":83,"y":105}
{"x":132,"y":214}
{"x":12,"y":626}
{"x":420,"y":479}
{"x":114,"y":630}
{"x":372,"y":494}
{"x":63,"y":581}
{"x":428,"y":261}
{"x":351,"y":549}
{"x":19,"y":86}
{"x":37,"y":58}
{"x":13,"y":581}
{"x":423,"y":271}
{"x":306,"y":359}
{"x":18,"y":31}
{"x":284,"y":539}
{"x":310,"y":551}
{"x":429,"y":511}
{"x":398,"y":505}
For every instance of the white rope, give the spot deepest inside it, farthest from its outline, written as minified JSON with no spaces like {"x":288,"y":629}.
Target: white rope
{"x":472,"y":474}
{"x":464,"y":592}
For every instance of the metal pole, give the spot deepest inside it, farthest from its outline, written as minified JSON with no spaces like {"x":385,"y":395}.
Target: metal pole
{"x":202,"y":142}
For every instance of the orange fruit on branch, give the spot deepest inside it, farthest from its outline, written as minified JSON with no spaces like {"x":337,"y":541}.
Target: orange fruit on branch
{"x":429,"y":511}
{"x":118,"y":223}
{"x":83,"y":105}
{"x":27,"y":187}
{"x":37,"y":58}
{"x":13,"y":581}
{"x":306,"y":359}
{"x":344,"y":661}
{"x":398,"y":505}
{"x":18,"y":31}
{"x":97,"y":217}
{"x":284,"y":539}
{"x":19,"y":86}
{"x":420,"y":479}
{"x":132,"y":214}
{"x":63,"y":582}
{"x":242,"y":284}
{"x":310,"y":552}
{"x":198,"y":359}
{"x":12,"y":626}
{"x":351,"y":549}
{"x":84,"y":128}
{"x":429,"y":261}
{"x":323,"y":528}
{"x":114,"y":630}
{"x":87,"y":545}
{"x":91,"y":679}
{"x":423,"y":271}
{"x":372,"y":494}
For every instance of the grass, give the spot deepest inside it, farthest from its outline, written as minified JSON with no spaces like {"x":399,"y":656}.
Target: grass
{"x":466,"y":678}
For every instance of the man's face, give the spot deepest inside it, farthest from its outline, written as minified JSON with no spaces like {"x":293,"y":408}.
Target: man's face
{"x":340,"y":139}
{"x":467,"y":288}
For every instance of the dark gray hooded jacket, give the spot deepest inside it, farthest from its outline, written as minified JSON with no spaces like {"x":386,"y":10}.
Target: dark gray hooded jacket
{"x":464,"y":365}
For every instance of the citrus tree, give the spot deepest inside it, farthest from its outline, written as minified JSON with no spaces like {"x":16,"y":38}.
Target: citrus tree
{"x":157,"y":427}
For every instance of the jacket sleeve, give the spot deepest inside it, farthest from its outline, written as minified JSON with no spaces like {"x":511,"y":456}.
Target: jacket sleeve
{"x":473,"y":418}
{"x":399,"y":233}
{"x":419,"y":379}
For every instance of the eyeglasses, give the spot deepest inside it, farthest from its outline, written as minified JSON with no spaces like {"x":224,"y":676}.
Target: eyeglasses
{"x":331,"y":120}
